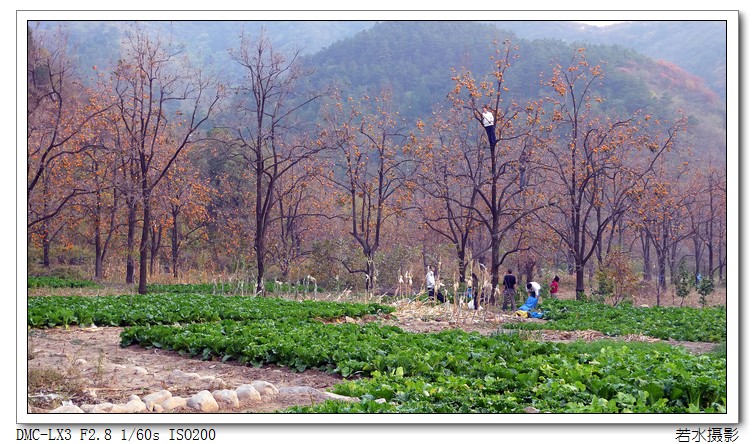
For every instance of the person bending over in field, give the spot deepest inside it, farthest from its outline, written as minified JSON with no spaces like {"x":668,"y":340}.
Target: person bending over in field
{"x":533,"y":297}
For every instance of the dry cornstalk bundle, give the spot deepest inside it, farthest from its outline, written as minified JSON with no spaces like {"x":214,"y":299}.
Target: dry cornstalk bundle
{"x":640,"y":338}
{"x":420,"y":310}
{"x":590,"y":335}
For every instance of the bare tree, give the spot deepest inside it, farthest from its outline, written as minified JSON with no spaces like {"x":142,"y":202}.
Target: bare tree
{"x":446,"y":178}
{"x":267,"y":137}
{"x":162,"y":102}
{"x":57,"y":114}
{"x":590,"y":152}
{"x":370,"y":167}
{"x":499,"y":171}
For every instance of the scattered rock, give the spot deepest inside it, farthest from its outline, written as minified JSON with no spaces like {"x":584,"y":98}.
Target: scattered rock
{"x":67,"y":409}
{"x":247,"y":392}
{"x":105,"y":407}
{"x":338,"y":397}
{"x":80,"y":362}
{"x":213,"y":382}
{"x":157,"y":398}
{"x":174,"y":403}
{"x":133,"y":406}
{"x":308,"y":391}
{"x":203,"y":401}
{"x":226,"y":398}
{"x":530,"y":409}
{"x":140,"y":370}
{"x":265,"y":388}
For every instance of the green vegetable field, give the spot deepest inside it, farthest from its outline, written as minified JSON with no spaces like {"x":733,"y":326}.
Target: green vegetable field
{"x":392,"y":370}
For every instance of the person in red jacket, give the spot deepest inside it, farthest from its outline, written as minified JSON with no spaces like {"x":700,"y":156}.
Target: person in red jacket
{"x":554,"y":286}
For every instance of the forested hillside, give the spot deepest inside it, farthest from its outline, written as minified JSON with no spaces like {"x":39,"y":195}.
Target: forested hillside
{"x":415,"y":61}
{"x":361,"y":164}
{"x":696,"y":46}
{"x":206,"y":40}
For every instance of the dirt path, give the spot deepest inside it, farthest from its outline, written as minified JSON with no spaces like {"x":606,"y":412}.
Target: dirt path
{"x":88,"y":365}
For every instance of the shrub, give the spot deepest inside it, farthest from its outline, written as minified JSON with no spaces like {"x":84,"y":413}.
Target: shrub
{"x":616,"y":280}
{"x":682,"y":282}
{"x":704,"y":288}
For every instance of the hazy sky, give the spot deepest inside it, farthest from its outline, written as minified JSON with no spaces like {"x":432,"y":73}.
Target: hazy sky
{"x":598,"y":22}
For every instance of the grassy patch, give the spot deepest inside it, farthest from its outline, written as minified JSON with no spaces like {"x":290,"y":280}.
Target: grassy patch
{"x":48,"y":388}
{"x":58,"y":282}
{"x":679,"y":323}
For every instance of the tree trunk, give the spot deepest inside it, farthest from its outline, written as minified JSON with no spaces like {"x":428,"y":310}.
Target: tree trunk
{"x":97,"y":251}
{"x":720,"y":260}
{"x":672,"y":261}
{"x":661,"y":270}
{"x":156,"y":236}
{"x":98,"y":238}
{"x":647,"y":267}
{"x":710,"y":257}
{"x":495,"y":266}
{"x":130,"y":243}
{"x":143,"y":246}
{"x":370,"y":280}
{"x":174,"y":244}
{"x":529,"y":270}
{"x":260,"y":274}
{"x":599,"y":241}
{"x":103,"y":245}
{"x":259,"y":247}
{"x":460,"y":257}
{"x":698,"y":254}
{"x":45,"y":250}
{"x":579,"y":269}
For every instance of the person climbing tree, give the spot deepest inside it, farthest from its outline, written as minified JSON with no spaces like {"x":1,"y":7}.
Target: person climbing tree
{"x":488,"y":121}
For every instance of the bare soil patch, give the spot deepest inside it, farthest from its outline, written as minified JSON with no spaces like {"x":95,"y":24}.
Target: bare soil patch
{"x":88,"y":366}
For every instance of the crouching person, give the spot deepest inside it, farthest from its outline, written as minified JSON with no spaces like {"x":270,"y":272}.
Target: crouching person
{"x":533,"y":297}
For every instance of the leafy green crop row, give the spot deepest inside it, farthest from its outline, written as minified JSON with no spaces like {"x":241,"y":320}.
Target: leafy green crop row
{"x":679,"y":323}
{"x":57,"y":282}
{"x":50,"y":311}
{"x":457,"y":372}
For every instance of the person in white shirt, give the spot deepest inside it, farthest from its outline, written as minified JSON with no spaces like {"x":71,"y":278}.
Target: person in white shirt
{"x":488,"y":121}
{"x":534,"y":287}
{"x":528,"y":309}
{"x":430,"y":284}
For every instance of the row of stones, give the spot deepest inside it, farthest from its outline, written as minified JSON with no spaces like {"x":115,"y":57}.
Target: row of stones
{"x":164,"y":401}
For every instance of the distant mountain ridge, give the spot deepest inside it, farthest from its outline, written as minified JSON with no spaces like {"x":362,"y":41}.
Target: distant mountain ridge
{"x":696,"y":46}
